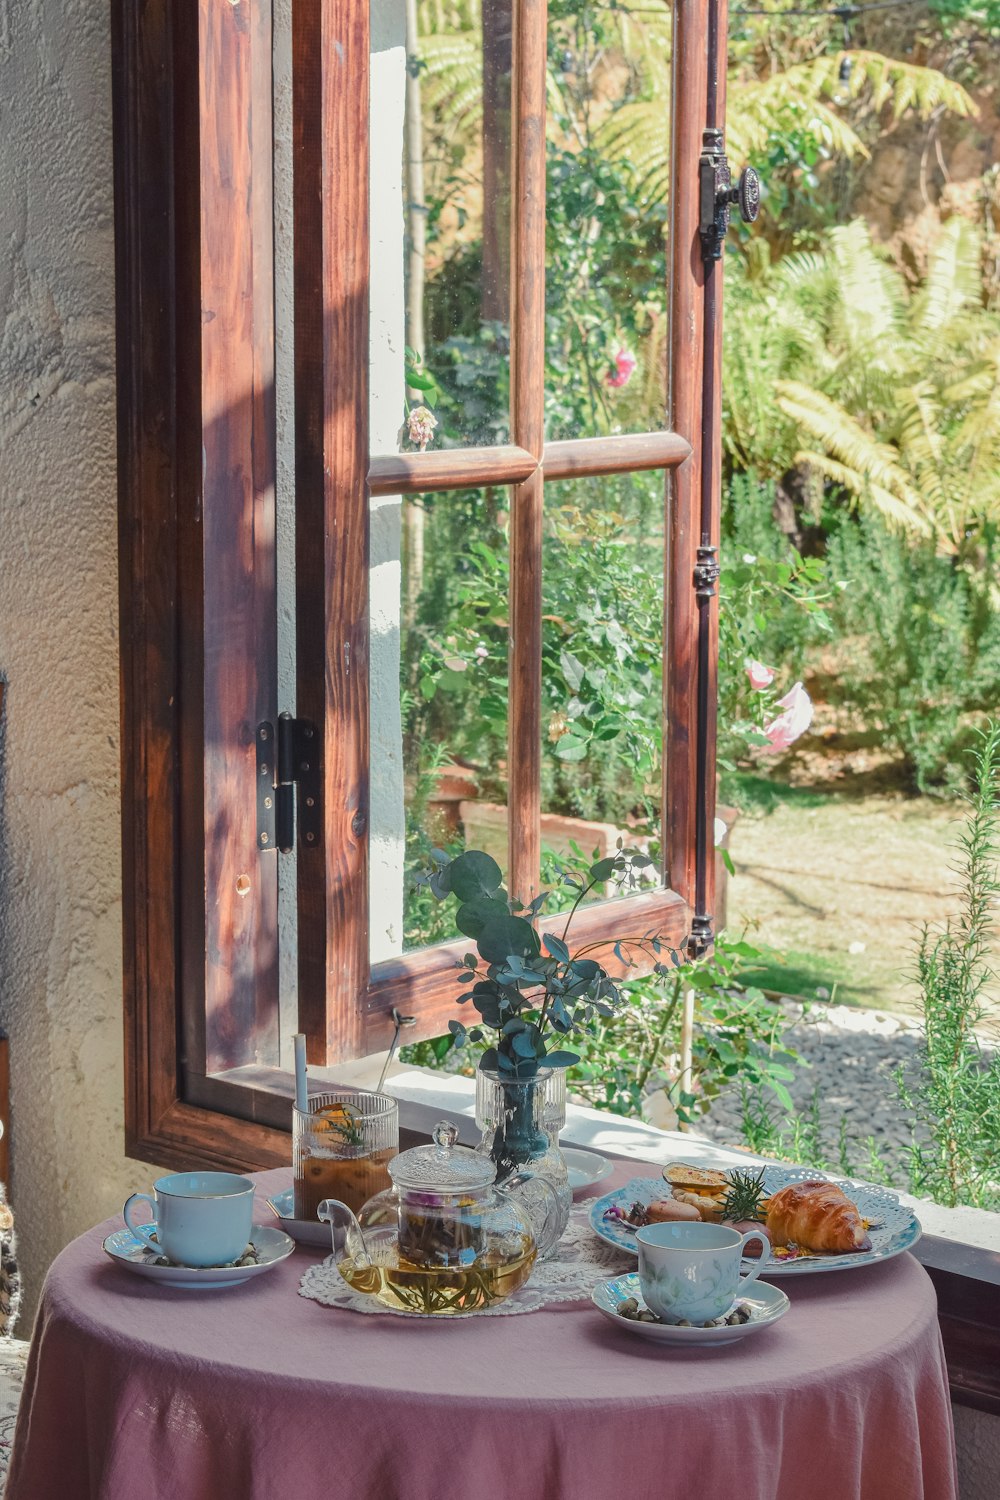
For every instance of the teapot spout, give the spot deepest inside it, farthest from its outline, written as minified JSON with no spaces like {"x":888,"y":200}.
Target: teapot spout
{"x":345,"y":1231}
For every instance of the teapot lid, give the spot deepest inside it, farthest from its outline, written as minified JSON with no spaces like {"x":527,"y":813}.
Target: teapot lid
{"x":444,"y":1167}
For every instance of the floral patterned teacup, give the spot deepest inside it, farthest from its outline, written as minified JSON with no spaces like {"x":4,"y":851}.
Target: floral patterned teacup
{"x":690,"y":1273}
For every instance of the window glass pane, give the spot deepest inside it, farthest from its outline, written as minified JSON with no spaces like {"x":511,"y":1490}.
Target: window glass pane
{"x":452,"y":689}
{"x":602,"y":664}
{"x":444,"y":138}
{"x":607,"y":165}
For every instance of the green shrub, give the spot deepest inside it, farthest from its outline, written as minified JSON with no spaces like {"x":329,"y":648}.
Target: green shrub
{"x":772,"y":607}
{"x":919,"y":638}
{"x":955,"y":1099}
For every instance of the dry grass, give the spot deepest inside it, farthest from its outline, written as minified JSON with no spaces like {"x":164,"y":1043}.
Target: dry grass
{"x":841,"y":887}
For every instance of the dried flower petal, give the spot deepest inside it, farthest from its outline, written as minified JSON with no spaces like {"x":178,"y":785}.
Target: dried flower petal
{"x":787,"y":727}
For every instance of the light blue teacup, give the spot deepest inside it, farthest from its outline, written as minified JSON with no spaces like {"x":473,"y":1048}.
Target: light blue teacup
{"x":691,"y":1272}
{"x":199,"y":1218}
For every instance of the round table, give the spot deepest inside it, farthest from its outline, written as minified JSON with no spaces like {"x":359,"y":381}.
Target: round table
{"x":137,"y":1392}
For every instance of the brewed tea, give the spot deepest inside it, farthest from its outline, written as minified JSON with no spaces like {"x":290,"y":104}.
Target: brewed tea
{"x":399,"y":1284}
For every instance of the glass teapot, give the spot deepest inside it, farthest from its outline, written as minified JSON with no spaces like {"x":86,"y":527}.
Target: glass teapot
{"x":444,"y":1238}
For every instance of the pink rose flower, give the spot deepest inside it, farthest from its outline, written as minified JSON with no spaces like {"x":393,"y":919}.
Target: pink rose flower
{"x":420,"y":426}
{"x":787,"y":727}
{"x":625,"y":363}
{"x":759,"y":675}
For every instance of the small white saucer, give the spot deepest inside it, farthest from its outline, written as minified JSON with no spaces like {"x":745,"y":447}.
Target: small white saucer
{"x":126,"y":1250}
{"x":585,"y":1167}
{"x":767,"y":1304}
{"x":306,"y":1231}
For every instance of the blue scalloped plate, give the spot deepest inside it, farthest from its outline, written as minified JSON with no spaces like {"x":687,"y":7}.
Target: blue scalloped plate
{"x":894,"y":1227}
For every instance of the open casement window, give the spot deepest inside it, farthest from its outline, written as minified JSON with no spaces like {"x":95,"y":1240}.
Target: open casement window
{"x":214,"y":192}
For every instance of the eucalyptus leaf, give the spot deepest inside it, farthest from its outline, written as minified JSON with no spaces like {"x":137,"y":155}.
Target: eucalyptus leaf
{"x":475,"y":874}
{"x":524,"y":1044}
{"x":472,"y":916}
{"x":561,"y":1059}
{"x":555,"y":946}
{"x":507,"y":935}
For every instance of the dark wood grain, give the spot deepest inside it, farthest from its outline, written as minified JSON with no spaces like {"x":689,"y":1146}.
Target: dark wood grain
{"x":624,"y":453}
{"x":236,"y":523}
{"x":684,"y":393}
{"x":423,"y":983}
{"x":146,"y":299}
{"x":524,"y":727}
{"x":330,"y":122}
{"x":187,"y":1136}
{"x":449,"y":469}
{"x":195,"y":463}
{"x":967,"y":1281}
{"x":711,"y":495}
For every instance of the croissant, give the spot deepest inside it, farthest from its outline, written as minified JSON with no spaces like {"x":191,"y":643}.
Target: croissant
{"x":817,"y":1216}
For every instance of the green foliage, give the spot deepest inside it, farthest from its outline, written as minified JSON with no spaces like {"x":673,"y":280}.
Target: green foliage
{"x":529,"y":987}
{"x":920,"y":653}
{"x":798,"y":1137}
{"x":891,"y":393}
{"x":956,"y":1099}
{"x":605,"y":291}
{"x":957,"y":16}
{"x":736,"y":1034}
{"x":602,"y":597}
{"x":771,"y":602}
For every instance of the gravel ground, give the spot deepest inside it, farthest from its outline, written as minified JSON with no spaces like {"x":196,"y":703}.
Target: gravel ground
{"x":852,"y":1056}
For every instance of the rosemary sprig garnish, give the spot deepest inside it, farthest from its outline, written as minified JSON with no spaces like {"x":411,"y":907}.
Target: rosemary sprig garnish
{"x":344,"y":1123}
{"x":744,"y":1192}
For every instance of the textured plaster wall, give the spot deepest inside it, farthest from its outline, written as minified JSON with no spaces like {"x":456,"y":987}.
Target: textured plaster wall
{"x":60,"y":924}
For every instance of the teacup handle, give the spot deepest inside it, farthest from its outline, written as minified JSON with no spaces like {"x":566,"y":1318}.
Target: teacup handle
{"x":142,"y":1232}
{"x":761,"y":1260}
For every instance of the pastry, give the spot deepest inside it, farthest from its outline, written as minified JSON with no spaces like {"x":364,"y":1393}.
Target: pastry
{"x":818,"y":1216}
{"x":665,"y":1210}
{"x":709,"y":1205}
{"x":681,"y":1174}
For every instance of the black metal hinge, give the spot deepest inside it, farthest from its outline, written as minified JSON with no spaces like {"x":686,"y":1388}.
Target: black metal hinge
{"x":701,"y":936}
{"x":716,"y":195}
{"x":706,"y":572}
{"x":288,"y":760}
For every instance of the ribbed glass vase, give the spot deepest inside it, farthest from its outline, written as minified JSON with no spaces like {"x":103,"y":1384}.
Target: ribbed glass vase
{"x":520,"y":1120}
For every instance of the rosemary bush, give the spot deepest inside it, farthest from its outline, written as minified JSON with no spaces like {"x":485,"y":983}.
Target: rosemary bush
{"x":956,"y":1095}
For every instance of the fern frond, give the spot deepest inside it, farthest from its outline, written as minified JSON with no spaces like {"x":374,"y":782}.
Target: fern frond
{"x":895,"y":511}
{"x":849,"y":443}
{"x":953,"y":280}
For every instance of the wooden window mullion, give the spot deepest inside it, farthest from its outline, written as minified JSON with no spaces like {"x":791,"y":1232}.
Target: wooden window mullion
{"x":709,"y":523}
{"x":684,"y":404}
{"x":330,"y":51}
{"x":236,"y":528}
{"x":528,"y":431}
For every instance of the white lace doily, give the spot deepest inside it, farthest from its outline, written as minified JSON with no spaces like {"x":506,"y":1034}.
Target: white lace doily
{"x":569,"y":1276}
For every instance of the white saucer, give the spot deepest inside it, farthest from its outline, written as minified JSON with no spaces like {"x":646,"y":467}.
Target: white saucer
{"x":585,"y":1167}
{"x":306,"y":1231}
{"x":126,"y":1250}
{"x":767,"y":1304}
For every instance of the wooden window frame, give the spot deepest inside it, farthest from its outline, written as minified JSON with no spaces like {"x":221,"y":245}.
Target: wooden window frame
{"x":193,"y":129}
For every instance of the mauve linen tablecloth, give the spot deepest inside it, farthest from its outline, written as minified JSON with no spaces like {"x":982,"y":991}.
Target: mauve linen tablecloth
{"x":254,"y":1393}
